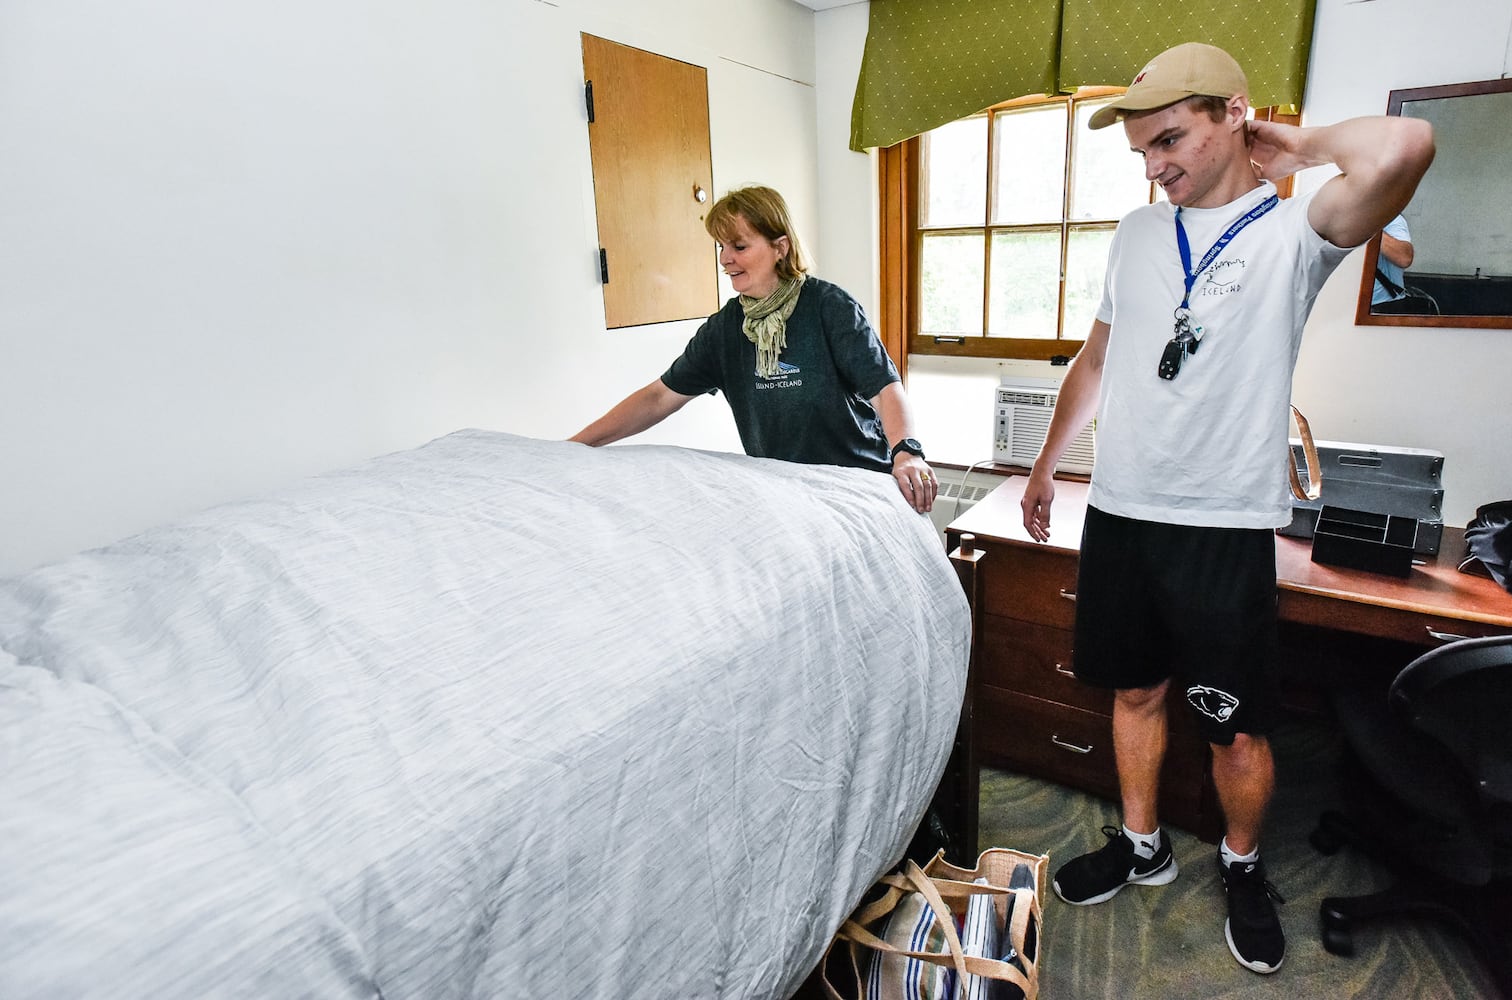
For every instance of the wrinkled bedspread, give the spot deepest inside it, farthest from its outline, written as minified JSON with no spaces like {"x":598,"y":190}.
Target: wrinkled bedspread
{"x":494,"y":717}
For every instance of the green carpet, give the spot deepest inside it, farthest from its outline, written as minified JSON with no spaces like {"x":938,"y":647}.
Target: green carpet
{"x":1167,"y":942}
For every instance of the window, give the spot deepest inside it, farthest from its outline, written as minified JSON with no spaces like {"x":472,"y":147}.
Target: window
{"x":996,"y":227}
{"x":1016,"y":208}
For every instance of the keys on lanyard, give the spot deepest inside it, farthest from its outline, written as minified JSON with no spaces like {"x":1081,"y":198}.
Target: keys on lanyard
{"x":1189,"y":333}
{"x":1186,"y":341}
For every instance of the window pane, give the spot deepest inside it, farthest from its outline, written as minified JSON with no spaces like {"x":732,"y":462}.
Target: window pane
{"x":1025,"y":284}
{"x":953,"y":174}
{"x":1107,"y":178}
{"x":950,"y":285}
{"x":1028,"y":183}
{"x":1086,"y":266}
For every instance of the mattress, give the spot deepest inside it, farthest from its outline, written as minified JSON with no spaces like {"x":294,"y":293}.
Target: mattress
{"x":492,"y":717}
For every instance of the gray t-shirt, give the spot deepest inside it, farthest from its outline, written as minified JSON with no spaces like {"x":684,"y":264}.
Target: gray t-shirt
{"x":815,"y":409}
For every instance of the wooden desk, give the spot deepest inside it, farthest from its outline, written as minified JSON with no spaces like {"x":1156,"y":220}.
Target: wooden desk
{"x":1033,"y":716}
{"x":1436,"y":604}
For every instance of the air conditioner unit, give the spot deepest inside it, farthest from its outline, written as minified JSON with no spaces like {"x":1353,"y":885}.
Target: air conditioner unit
{"x":1023,"y":413}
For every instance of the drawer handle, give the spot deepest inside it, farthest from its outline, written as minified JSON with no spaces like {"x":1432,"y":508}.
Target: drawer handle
{"x":1068,"y":746}
{"x":1061,"y":669}
{"x":1445,"y":636}
{"x":1069,"y":595}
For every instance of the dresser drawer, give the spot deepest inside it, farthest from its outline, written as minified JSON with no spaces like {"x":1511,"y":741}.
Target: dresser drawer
{"x":1035,"y":660}
{"x":1031,"y":584}
{"x":1075,"y":747}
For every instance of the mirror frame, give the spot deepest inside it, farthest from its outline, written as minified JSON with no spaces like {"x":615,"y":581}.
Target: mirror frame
{"x":1363,"y":315}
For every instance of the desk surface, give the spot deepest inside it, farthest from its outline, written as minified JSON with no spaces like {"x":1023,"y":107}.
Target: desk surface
{"x":1310,"y":592}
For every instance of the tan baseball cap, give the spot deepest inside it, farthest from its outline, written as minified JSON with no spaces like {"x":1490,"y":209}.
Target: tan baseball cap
{"x":1188,"y":70}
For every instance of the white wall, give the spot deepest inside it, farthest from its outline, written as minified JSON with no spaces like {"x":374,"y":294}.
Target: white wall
{"x":848,"y":209}
{"x":243,"y":242}
{"x":1421,"y":388}
{"x":1415,"y":387}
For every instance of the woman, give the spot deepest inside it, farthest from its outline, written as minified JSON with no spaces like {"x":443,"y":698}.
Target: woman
{"x":802,"y":369}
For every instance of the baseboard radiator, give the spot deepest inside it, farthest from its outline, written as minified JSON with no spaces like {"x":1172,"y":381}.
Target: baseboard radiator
{"x":958,"y":492}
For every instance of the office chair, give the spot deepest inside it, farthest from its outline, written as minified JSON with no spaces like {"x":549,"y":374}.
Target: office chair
{"x":1433,"y":800}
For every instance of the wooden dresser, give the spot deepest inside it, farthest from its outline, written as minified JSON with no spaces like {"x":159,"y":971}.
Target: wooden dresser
{"x":1031,"y":714}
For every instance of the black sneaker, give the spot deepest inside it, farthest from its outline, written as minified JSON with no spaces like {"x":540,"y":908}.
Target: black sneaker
{"x":1099,"y":875}
{"x":1252,"y":930}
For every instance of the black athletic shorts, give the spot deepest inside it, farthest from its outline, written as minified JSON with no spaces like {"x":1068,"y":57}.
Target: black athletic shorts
{"x":1157,"y":601}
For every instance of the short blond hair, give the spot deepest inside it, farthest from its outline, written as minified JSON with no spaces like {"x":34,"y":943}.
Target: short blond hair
{"x":765,"y":211}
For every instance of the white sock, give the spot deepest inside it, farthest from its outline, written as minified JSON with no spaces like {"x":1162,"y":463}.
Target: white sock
{"x":1228,"y":857}
{"x":1145,"y":844}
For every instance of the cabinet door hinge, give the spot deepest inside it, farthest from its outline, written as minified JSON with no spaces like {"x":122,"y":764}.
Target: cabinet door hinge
{"x":588,"y":99}
{"x":603,"y":266}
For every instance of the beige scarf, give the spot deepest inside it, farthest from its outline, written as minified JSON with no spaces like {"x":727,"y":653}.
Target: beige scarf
{"x":766,"y":322}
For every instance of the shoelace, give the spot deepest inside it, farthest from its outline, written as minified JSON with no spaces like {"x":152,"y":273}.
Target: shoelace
{"x":1265,"y":884}
{"x":1273,"y":892}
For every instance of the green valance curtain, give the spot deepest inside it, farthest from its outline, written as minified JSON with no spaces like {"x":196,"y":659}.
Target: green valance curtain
{"x":928,"y":62}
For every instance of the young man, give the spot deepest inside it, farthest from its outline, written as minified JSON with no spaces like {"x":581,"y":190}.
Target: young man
{"x":1188,"y":369}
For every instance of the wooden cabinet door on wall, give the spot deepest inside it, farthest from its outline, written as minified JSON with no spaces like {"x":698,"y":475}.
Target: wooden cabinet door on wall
{"x":648,"y":134}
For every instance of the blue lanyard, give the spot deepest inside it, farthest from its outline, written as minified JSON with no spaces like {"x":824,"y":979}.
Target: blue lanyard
{"x":1189,"y":273}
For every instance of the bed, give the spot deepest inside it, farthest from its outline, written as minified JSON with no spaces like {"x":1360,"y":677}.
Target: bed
{"x":492,"y":717}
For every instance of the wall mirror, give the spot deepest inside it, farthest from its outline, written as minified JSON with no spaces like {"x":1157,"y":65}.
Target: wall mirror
{"x":1459,"y":222}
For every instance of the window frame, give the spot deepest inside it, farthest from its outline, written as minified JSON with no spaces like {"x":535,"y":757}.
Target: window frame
{"x":902,"y":241}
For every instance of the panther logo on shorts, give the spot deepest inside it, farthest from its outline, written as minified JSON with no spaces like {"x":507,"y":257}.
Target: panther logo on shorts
{"x":1213,"y":703}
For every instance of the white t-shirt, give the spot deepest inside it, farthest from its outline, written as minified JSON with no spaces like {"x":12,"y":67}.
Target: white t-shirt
{"x":1210,"y":446}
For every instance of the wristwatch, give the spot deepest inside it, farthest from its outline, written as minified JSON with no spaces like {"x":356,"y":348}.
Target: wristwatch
{"x":908,"y":445}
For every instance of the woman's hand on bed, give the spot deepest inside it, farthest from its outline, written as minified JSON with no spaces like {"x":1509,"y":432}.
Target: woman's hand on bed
{"x":915,"y":481}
